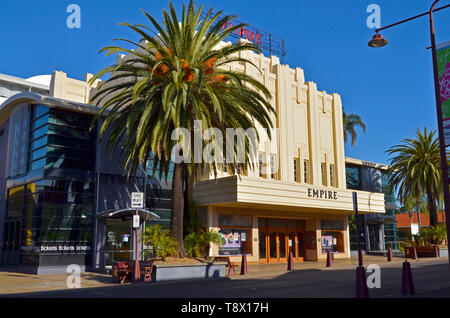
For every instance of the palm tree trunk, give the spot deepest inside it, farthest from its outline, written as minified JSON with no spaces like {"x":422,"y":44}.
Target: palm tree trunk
{"x":418,"y":213}
{"x":176,"y":224}
{"x":411,"y":222}
{"x":432,"y":208}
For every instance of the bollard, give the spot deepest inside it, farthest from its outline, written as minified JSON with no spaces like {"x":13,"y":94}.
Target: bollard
{"x":389,"y":257}
{"x":414,"y":253}
{"x":361,"y":283}
{"x":407,"y":280}
{"x":244,"y":265}
{"x":329,"y":259}
{"x":290,"y":262}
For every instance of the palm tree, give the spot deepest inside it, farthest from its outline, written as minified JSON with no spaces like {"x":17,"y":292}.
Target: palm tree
{"x":191,"y":244}
{"x":412,"y":203}
{"x":177,"y":74}
{"x":206,"y":238}
{"x":351,"y":121}
{"x":415,"y":169}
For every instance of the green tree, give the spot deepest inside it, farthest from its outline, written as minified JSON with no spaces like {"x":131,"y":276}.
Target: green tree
{"x":152,"y":235}
{"x":412,"y":204}
{"x":208,"y":237}
{"x":167,"y":246}
{"x":191,"y":244}
{"x":415,"y":170}
{"x":176,"y":74}
{"x":162,"y":244}
{"x":350,"y":122}
{"x":434,"y":234}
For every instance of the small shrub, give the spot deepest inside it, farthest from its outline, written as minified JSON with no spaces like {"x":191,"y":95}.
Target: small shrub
{"x":152,"y":234}
{"x":206,"y":238}
{"x":167,"y":246}
{"x":191,"y":244}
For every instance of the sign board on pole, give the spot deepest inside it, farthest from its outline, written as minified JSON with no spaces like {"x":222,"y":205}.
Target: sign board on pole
{"x":414,"y":228}
{"x":136,"y":221}
{"x":443,"y":63}
{"x":137,"y":200}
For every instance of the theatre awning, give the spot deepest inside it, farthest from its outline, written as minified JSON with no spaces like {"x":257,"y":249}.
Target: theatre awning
{"x":127,"y":214}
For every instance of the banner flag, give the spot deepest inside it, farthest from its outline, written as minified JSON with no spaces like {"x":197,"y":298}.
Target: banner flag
{"x":443,"y":61}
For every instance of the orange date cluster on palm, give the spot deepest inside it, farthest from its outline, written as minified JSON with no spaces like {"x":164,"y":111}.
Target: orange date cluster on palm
{"x":208,"y":69}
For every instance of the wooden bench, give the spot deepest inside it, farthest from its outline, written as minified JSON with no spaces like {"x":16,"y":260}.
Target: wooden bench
{"x":230,"y":265}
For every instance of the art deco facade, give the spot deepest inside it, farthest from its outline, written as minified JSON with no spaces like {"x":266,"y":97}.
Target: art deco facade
{"x":300,"y":202}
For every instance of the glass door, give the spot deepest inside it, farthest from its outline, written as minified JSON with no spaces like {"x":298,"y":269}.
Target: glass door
{"x":273,"y":247}
{"x":300,"y":247}
{"x":263,"y":246}
{"x":282,"y":246}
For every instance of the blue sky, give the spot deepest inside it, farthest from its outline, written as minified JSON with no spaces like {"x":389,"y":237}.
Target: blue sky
{"x":391,"y":87}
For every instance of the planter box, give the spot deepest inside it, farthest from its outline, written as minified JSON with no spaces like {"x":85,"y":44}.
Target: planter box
{"x":427,"y":251}
{"x":179,"y":272}
{"x":423,"y":251}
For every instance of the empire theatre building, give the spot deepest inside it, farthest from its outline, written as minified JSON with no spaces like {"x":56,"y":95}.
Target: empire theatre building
{"x":296,"y":198}
{"x":63,"y":201}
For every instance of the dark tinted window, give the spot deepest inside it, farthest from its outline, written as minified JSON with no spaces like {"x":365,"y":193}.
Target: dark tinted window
{"x":353,"y":174}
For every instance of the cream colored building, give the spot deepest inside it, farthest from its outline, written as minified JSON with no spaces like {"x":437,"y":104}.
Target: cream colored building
{"x":300,"y":203}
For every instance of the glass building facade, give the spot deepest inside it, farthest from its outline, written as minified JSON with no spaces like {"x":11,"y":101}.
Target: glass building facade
{"x":377,"y":231}
{"x":50,"y":192}
{"x":60,"y":186}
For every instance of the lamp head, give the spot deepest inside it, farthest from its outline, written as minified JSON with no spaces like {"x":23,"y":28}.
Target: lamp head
{"x":377,"y":41}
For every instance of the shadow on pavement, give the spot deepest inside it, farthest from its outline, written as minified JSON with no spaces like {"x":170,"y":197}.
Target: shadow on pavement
{"x":310,"y":283}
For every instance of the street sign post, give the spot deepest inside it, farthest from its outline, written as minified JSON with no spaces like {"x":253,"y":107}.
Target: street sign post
{"x":136,"y":221}
{"x":137,"y":202}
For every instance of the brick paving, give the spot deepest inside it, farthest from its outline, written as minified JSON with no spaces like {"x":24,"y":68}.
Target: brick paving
{"x":15,"y":283}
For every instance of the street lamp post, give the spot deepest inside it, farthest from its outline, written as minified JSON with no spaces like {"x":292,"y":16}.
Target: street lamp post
{"x":379,"y":41}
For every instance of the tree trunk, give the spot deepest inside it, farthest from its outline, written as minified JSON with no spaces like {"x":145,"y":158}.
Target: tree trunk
{"x":432,"y":208}
{"x":207,"y":248}
{"x":411,"y":222}
{"x":418,"y":213}
{"x":176,"y":224}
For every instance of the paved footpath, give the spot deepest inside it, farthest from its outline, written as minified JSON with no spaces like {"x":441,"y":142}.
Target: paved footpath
{"x":309,"y":279}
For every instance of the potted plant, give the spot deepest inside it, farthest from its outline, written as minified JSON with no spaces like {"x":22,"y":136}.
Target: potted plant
{"x":429,"y":239}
